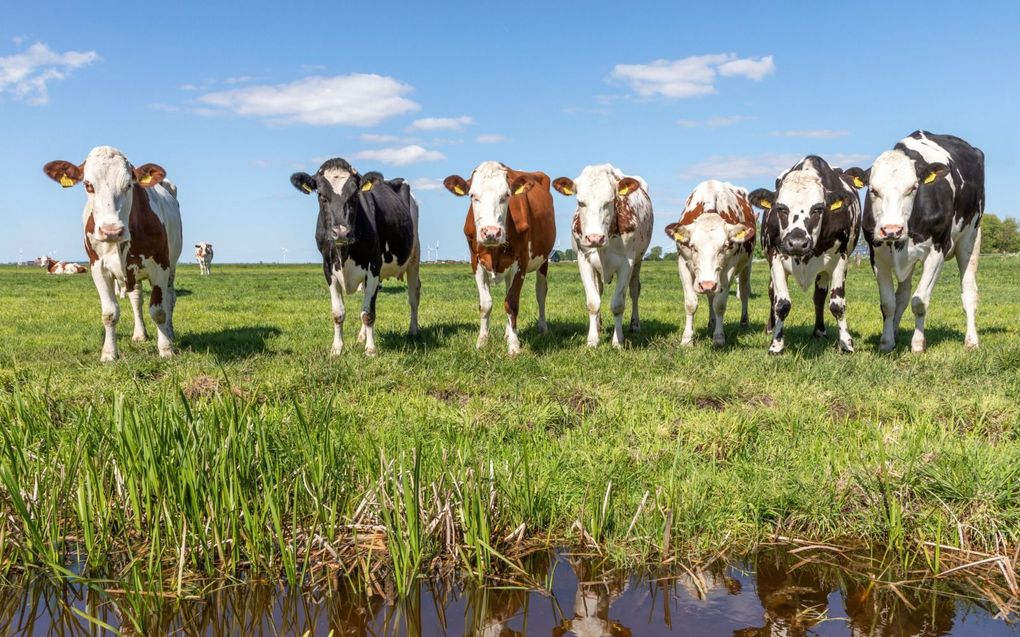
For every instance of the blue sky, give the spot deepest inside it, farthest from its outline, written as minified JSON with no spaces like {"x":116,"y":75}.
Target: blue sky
{"x":232,"y":100}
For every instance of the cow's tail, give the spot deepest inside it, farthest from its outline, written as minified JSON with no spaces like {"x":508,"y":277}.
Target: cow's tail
{"x":170,"y":187}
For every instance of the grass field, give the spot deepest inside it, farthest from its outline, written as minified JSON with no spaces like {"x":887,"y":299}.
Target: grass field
{"x":254,"y":452}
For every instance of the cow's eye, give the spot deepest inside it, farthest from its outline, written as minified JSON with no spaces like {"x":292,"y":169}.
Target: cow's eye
{"x":89,"y":188}
{"x":817,"y":209}
{"x":581,"y":204}
{"x":874,"y":193}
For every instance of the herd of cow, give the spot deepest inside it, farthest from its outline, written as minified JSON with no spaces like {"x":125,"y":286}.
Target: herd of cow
{"x":924,"y":205}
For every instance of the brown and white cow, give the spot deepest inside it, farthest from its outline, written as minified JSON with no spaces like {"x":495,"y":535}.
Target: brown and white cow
{"x":52,"y":266}
{"x":132,"y":227}
{"x":204,"y":255}
{"x":714,"y":241}
{"x":510,"y":230}
{"x":611,"y":230}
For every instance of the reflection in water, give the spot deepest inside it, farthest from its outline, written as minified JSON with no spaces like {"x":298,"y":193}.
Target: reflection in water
{"x":776,"y":594}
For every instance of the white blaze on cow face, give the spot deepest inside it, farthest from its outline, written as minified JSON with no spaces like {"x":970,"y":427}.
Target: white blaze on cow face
{"x":707,"y":242}
{"x":800,"y":204}
{"x":490,"y":202}
{"x":892,"y":188}
{"x":596,"y":204}
{"x":108,"y":179}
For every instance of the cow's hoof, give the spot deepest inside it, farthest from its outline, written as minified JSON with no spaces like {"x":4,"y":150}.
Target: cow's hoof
{"x":635,"y":326}
{"x":513,"y":350}
{"x":542,"y":327}
{"x":918,"y":344}
{"x":718,"y":343}
{"x":481,"y":342}
{"x":687,"y":341}
{"x":140,"y":338}
{"x":413,"y":331}
{"x":970,"y":343}
{"x":336,"y":350}
{"x":371,"y":352}
{"x":593,"y":343}
{"x":108,"y":357}
{"x":819,"y":333}
{"x":166,"y":353}
{"x":775,"y":350}
{"x":744,"y":322}
{"x":617,"y":344}
{"x":847,"y":346}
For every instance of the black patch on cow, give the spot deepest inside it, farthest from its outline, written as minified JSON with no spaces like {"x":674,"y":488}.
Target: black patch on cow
{"x":783,"y":309}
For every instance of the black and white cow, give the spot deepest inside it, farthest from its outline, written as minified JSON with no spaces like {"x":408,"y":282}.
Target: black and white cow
{"x":809,"y":228}
{"x":924,"y":205}
{"x":367,"y":231}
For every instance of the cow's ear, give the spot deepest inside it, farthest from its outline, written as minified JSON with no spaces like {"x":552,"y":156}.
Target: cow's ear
{"x":64,"y":172}
{"x":456,"y":185}
{"x":676,"y":232}
{"x":564,"y":186}
{"x":627,"y":185}
{"x":521,"y":184}
{"x":370,"y":180}
{"x":835,"y":202}
{"x":739,"y":233}
{"x":303,"y":182}
{"x":148,"y":175}
{"x":762,"y":198}
{"x":859,"y":177}
{"x":930,"y":172}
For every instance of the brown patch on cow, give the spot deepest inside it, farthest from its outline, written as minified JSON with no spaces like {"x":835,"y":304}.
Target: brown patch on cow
{"x":449,"y":396}
{"x":691,"y":214}
{"x":709,"y":402}
{"x":148,"y":236}
{"x":90,"y":227}
{"x":156,"y":298}
{"x":576,"y":226}
{"x":368,"y":319}
{"x":623,"y":219}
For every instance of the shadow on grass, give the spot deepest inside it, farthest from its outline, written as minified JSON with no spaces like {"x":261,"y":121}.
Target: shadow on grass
{"x":232,"y":343}
{"x":572,"y":334}
{"x":428,"y":336}
{"x":182,"y":292}
{"x":933,"y":335}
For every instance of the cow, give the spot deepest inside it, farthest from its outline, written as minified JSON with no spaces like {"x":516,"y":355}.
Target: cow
{"x":924,"y":205}
{"x":510,"y":230}
{"x":132,"y":232}
{"x":204,"y":256}
{"x":610,"y":233}
{"x":714,"y":241}
{"x":52,"y":266}
{"x":367,"y":231}
{"x":810,"y":225}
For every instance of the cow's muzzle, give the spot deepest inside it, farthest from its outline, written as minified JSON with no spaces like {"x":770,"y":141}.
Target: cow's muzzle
{"x":706,"y":287}
{"x":593,"y":240}
{"x":795,"y":244}
{"x":491,"y":236}
{"x":110,"y":232}
{"x":890,"y":232}
{"x":341,"y":235}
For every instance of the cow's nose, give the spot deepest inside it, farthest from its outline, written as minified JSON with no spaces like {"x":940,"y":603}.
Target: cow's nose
{"x":111,"y":231}
{"x":491,"y":233}
{"x":341,"y":232}
{"x":595,"y":239}
{"x":796,"y":244}
{"x":707,"y":286}
{"x":891,"y":231}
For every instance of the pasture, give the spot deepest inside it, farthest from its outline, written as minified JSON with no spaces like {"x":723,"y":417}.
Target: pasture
{"x":252,"y":451}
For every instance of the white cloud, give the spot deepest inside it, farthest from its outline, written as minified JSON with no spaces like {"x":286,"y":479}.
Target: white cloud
{"x":357,"y":99}
{"x":261,"y":163}
{"x":402,"y":156}
{"x":424,"y":183}
{"x":718,"y":121}
{"x":490,"y":138}
{"x":375,"y":138}
{"x":441,"y":123}
{"x":166,"y":108}
{"x":24,"y":75}
{"x":768,"y":165}
{"x":692,"y":76}
{"x":812,"y":132}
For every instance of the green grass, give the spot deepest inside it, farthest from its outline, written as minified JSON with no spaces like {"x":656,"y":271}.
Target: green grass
{"x":253,"y":453}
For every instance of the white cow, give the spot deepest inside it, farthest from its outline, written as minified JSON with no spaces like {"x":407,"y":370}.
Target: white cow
{"x":715,"y":241}
{"x":204,"y":256}
{"x":132,"y":226}
{"x":611,"y":230}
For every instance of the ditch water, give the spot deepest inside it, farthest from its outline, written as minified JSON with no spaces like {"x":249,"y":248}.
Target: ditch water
{"x":774,"y":594}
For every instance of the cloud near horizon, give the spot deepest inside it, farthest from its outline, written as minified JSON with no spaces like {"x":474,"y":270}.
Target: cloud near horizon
{"x":765,"y":166}
{"x":689,"y":77}
{"x":402,"y":156}
{"x":441,"y":123}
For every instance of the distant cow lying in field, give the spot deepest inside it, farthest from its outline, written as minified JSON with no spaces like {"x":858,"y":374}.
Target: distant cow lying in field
{"x":204,"y":255}
{"x":611,"y":230}
{"x":132,"y":228}
{"x":60,"y":267}
{"x":367,"y":231}
{"x":714,"y":240}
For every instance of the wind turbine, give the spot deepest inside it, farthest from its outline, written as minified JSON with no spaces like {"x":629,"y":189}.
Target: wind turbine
{"x":284,"y":251}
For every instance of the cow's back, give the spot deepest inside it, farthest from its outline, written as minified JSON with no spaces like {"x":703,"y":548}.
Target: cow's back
{"x":966,"y":169}
{"x":396,"y":219}
{"x":164,"y":204}
{"x":541,"y":216}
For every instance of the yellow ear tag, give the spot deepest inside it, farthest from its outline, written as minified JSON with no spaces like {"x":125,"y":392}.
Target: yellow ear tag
{"x":740,"y":236}
{"x":306,"y":188}
{"x":519,"y":189}
{"x":930,"y":178}
{"x":765,"y":204}
{"x":858,"y":182}
{"x":458,"y":190}
{"x":624,"y":192}
{"x":567,"y":191}
{"x":365,"y":187}
{"x":146,"y":180}
{"x":66,"y":181}
{"x":836,"y":205}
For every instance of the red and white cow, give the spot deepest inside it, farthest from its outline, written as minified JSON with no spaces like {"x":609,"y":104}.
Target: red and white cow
{"x":204,"y":255}
{"x":611,"y":230}
{"x":714,"y":241}
{"x":510,"y":230}
{"x":53,"y":266}
{"x":132,"y":227}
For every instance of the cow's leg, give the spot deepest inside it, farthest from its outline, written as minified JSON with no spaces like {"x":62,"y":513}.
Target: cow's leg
{"x":541,"y":289}
{"x":635,"y":292}
{"x":159,"y":302}
{"x":372,"y":287}
{"x":690,"y":301}
{"x":887,"y":296}
{"x":771,"y":323}
{"x":170,"y":299}
{"x":718,"y":305}
{"x":111,"y":312}
{"x":512,"y":305}
{"x":837,"y":303}
{"x":484,"y":305}
{"x":821,"y":292}
{"x":413,"y":294}
{"x":135,"y":295}
{"x":336,"y":296}
{"x":592,"y":297}
{"x":619,"y":301}
{"x":902,"y":301}
{"x":930,"y":270}
{"x":781,"y":305}
{"x":967,"y":253}
{"x":744,"y":293}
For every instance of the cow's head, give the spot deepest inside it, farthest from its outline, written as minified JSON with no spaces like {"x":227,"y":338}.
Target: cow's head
{"x":43,"y":262}
{"x":109,"y":181}
{"x":597,"y":190}
{"x":800,"y":204}
{"x":339,"y":187}
{"x":202,"y":249}
{"x":491,"y":186}
{"x":894,"y":182}
{"x":713,"y":227}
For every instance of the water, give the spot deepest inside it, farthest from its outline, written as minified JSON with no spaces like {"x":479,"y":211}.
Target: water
{"x":775,"y":594}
